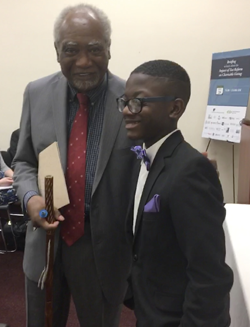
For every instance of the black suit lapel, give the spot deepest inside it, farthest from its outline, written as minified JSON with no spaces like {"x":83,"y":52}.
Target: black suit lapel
{"x":129,"y":215}
{"x":165,"y":151}
{"x":152,"y":176}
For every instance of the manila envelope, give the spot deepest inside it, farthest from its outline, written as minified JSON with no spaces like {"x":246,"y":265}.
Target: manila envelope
{"x":49,"y":164}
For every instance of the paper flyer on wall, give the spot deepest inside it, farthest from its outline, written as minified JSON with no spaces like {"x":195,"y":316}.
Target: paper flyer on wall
{"x":228,"y":95}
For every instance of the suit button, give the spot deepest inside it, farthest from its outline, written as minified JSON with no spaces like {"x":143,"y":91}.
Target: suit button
{"x":135,"y":257}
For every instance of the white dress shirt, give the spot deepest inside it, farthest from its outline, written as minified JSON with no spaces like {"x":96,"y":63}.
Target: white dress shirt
{"x":151,"y":153}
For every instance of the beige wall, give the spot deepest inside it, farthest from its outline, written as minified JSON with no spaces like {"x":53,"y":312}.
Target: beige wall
{"x":186,"y":31}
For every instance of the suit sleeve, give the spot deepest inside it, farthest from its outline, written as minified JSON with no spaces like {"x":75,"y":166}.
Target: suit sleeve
{"x":198,"y":213}
{"x":25,"y":162}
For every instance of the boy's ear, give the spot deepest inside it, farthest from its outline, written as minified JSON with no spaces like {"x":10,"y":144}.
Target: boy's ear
{"x":177,"y":109}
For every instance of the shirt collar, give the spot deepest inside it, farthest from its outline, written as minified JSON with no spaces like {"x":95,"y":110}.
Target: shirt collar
{"x":153,"y":149}
{"x":94,"y":94}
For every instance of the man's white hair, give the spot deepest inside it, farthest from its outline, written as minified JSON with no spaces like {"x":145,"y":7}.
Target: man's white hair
{"x":82,"y":7}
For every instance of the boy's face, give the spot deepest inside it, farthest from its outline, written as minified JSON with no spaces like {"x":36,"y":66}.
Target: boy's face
{"x":156,"y":119}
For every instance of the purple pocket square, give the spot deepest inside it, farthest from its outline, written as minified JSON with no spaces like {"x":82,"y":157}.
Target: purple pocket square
{"x":153,"y":205}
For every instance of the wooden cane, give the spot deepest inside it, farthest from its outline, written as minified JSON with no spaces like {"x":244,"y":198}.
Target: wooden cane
{"x":49,"y":205}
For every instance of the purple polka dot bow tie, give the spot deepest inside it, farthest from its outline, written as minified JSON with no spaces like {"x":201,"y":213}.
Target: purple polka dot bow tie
{"x":142,"y":155}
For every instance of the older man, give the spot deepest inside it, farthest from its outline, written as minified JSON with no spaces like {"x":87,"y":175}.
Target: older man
{"x":77,"y":108}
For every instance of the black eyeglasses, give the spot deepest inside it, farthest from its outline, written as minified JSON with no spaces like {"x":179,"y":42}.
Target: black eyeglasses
{"x":135,"y":105}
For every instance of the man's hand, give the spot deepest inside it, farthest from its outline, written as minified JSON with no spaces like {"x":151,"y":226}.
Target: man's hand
{"x":6,"y":181}
{"x":34,"y":206}
{"x":246,"y":121}
{"x":213,"y":162}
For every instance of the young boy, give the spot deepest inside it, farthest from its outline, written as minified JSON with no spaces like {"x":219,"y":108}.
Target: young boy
{"x":179,"y":275}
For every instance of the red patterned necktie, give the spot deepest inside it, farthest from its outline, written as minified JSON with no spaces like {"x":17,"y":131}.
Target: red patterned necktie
{"x":73,"y":226}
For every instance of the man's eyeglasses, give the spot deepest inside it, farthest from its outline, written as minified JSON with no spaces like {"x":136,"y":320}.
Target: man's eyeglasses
{"x":135,"y":105}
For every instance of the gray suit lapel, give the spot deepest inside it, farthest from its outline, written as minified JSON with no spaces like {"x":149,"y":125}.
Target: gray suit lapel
{"x":59,"y":94}
{"x":111,"y":125}
{"x":112,"y":122}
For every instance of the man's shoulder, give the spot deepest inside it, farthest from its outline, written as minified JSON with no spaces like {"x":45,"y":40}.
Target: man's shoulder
{"x":116,"y":84}
{"x":46,"y":80}
{"x":117,"y":79}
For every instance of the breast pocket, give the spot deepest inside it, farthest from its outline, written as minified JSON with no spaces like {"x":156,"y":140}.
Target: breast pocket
{"x":151,"y":217}
{"x":150,"y":226}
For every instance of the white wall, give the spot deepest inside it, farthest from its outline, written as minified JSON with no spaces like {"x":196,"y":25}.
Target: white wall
{"x":186,"y":31}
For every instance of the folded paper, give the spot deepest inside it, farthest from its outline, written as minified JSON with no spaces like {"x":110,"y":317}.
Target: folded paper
{"x":50,"y":164}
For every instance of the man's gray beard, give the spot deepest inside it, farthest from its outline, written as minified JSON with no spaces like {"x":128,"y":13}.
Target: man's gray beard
{"x":83,"y":86}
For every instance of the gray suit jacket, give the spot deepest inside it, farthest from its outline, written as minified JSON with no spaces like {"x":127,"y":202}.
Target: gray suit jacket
{"x":44,"y":122}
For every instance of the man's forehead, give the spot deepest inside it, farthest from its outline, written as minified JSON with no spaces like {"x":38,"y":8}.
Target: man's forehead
{"x":79,"y":18}
{"x":80,"y":25}
{"x":90,"y":43}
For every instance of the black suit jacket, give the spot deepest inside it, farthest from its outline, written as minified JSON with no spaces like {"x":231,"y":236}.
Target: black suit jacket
{"x":179,"y":276}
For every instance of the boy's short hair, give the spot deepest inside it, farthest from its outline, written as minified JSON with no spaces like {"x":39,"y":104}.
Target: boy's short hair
{"x":176,"y":76}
